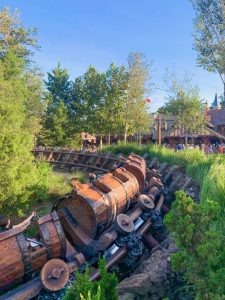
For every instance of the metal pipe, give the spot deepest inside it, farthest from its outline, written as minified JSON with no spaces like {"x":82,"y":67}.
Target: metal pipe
{"x":150,"y":241}
{"x":160,"y":202}
{"x":120,"y":253}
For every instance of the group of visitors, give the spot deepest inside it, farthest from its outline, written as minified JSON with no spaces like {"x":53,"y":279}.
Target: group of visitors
{"x":208,"y":149}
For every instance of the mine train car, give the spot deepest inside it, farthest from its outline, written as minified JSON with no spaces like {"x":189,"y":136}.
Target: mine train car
{"x":98,"y":217}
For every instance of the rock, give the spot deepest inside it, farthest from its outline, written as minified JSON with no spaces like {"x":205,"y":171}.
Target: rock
{"x":151,"y":279}
{"x":126,"y":296}
{"x":136,"y":284}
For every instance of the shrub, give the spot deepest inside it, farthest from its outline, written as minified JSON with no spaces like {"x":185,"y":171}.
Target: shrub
{"x":201,"y":253}
{"x":42,"y":182}
{"x":103,"y":289}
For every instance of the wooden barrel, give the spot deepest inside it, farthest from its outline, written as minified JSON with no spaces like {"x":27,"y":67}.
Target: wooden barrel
{"x":95,"y":207}
{"x":14,"y":258}
{"x":52,"y":235}
{"x":18,"y":261}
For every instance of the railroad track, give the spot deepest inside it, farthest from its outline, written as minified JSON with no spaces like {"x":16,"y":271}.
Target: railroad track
{"x":124,"y":206}
{"x":69,"y":161}
{"x":72,"y":160}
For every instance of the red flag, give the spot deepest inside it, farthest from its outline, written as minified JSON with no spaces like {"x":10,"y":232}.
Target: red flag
{"x":148,"y":100}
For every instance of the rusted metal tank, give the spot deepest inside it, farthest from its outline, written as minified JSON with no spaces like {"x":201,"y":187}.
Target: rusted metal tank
{"x":52,"y":235}
{"x":136,"y":165}
{"x":94,"y":207}
{"x":20,"y":258}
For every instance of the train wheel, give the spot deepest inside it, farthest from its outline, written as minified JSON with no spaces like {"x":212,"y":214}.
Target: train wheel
{"x":54,"y":275}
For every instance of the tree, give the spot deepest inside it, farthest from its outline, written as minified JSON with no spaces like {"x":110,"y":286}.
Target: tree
{"x":19,"y":178}
{"x":19,"y":175}
{"x":58,"y":86}
{"x":99,"y":100}
{"x":58,"y":127}
{"x":116,"y":97}
{"x":201,"y":252}
{"x":34,"y":107}
{"x":15,"y":36}
{"x":184,"y":102}
{"x":20,"y":41}
{"x":210,"y":35}
{"x":89,"y":101}
{"x":136,"y":117}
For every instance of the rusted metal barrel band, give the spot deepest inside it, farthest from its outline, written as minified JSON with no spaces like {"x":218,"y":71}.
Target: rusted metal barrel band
{"x":124,"y":186}
{"x":107,"y":203}
{"x":60,"y":233}
{"x":134,"y":179}
{"x":25,"y":254}
{"x":114,"y":207}
{"x":46,"y":240}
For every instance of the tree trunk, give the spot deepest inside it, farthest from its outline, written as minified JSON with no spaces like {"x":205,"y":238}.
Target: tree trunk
{"x":186,"y":139}
{"x":109,"y":139}
{"x":125,"y":133}
{"x":224,"y":92}
{"x":101,"y":141}
{"x":139,"y":138}
{"x":159,"y":130}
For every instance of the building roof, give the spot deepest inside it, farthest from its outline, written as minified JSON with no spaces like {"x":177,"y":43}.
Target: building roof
{"x":206,"y":131}
{"x":169,"y":120}
{"x":217,"y":116}
{"x":215,"y":102}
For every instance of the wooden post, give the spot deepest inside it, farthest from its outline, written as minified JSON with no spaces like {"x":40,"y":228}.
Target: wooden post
{"x":159,"y":129}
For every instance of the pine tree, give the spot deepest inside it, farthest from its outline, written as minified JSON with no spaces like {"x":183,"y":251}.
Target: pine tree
{"x":19,"y":175}
{"x":58,"y":126}
{"x":16,"y":161}
{"x":58,"y":86}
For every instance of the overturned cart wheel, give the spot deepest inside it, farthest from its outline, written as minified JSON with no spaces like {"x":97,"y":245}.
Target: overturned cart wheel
{"x":54,"y":275}
{"x":124,"y":224}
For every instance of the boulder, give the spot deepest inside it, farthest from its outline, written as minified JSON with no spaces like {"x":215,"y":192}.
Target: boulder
{"x":151,"y":280}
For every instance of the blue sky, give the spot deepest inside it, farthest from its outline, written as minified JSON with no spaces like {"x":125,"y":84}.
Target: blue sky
{"x":79,"y":33}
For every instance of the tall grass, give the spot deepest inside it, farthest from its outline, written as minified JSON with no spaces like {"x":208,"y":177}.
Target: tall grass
{"x":181,"y":158}
{"x":60,"y":182}
{"x":208,"y":171}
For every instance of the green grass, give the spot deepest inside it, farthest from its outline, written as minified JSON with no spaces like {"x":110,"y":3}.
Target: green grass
{"x":60,"y":182}
{"x":181,"y":158}
{"x":58,"y":185}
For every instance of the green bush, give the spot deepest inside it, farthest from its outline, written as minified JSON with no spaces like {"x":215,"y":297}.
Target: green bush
{"x":103,"y":289}
{"x":201,"y":253}
{"x":42,"y":182}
